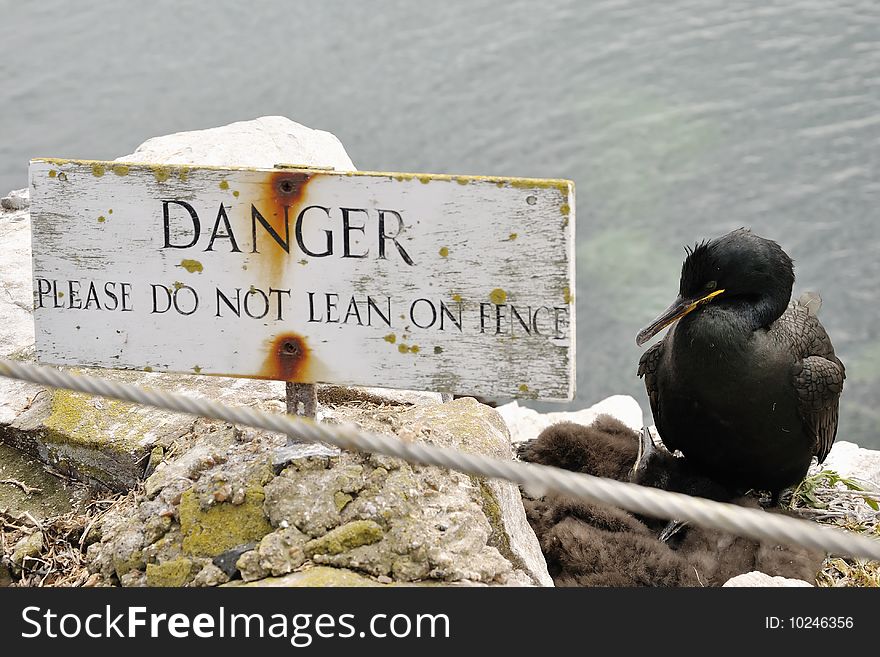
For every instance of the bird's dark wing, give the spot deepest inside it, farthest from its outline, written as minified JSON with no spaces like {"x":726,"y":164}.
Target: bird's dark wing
{"x":818,"y":373}
{"x":648,"y":364}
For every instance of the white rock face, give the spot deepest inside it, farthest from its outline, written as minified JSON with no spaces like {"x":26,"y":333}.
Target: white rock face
{"x":526,"y":423}
{"x":16,"y":297}
{"x":851,"y":461}
{"x":263,"y":142}
{"x":757,"y":578}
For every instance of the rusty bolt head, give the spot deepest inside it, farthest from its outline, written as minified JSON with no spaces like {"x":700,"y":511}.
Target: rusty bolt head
{"x":287,"y":186}
{"x":290,"y":348}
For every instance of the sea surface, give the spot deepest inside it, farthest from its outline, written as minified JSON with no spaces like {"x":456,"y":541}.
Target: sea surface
{"x":677,"y":120}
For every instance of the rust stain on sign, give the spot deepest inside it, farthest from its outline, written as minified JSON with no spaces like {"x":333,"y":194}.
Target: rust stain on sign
{"x":288,"y":359}
{"x":281,"y":202}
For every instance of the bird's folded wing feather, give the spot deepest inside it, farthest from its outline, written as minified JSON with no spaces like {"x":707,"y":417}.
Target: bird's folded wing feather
{"x":818,"y":373}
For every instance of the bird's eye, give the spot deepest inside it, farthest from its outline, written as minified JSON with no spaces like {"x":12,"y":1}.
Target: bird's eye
{"x":711,"y":285}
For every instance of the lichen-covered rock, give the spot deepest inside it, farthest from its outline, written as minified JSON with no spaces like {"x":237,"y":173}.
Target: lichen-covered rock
{"x":370,"y":514}
{"x":347,"y":537}
{"x":208,"y":532}
{"x":16,"y":300}
{"x":174,"y":572}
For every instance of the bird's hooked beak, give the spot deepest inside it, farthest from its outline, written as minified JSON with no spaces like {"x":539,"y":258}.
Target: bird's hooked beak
{"x":679,"y":308}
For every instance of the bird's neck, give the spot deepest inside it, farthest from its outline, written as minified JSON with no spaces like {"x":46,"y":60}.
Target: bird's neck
{"x":722,"y":330}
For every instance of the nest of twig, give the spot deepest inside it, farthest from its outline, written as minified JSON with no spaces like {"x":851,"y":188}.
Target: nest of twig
{"x":826,"y":497}
{"x":62,"y":559}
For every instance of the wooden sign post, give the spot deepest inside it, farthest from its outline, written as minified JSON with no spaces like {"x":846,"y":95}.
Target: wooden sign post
{"x":449,"y":283}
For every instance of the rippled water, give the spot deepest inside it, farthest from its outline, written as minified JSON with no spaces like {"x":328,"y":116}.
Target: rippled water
{"x":677,"y":120}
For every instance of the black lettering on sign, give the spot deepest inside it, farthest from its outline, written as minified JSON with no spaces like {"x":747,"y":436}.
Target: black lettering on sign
{"x":255,"y":302}
{"x":299,"y":233}
{"x":182,"y":230}
{"x":44,"y":289}
{"x":256,"y":216}
{"x":125,"y":289}
{"x":166,"y":221}
{"x":73,"y":294}
{"x":424,"y":314}
{"x":227,"y":234}
{"x":346,"y":232}
{"x":384,"y":236}
{"x":419,"y":311}
{"x":561,"y":314}
{"x":512,"y":320}
{"x":371,"y":307}
{"x":83,"y":295}
{"x":110,"y":292}
{"x":355,"y":310}
{"x":182,"y":298}
{"x":331,"y":307}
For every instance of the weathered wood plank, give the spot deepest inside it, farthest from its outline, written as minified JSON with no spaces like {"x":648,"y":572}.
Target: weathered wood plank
{"x":451,"y":283}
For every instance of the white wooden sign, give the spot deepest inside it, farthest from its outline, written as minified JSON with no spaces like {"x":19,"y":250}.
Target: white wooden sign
{"x":450,"y":283}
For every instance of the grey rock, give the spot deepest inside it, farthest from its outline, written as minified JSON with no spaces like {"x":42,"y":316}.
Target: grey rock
{"x":18,"y":199}
{"x":282,"y":551}
{"x":248,"y":565}
{"x":210,"y":575}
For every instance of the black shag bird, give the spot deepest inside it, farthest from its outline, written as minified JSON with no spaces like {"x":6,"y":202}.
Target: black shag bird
{"x":745,"y":384}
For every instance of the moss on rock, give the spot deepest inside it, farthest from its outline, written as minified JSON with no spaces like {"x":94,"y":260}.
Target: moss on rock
{"x":74,"y":418}
{"x":347,"y":537}
{"x":341,"y":499}
{"x":169,"y":573}
{"x":209,"y":532}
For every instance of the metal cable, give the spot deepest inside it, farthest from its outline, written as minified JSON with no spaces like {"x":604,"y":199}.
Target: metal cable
{"x":541,"y":479}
